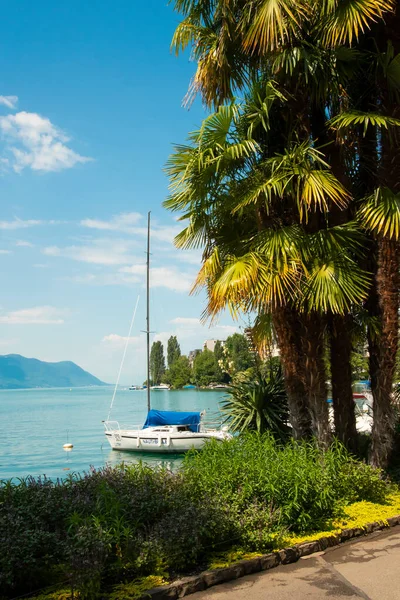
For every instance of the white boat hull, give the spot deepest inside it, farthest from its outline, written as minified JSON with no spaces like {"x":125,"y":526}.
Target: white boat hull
{"x":145,"y":440}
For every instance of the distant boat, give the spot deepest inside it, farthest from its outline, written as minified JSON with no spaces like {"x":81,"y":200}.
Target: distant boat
{"x":189,"y":387}
{"x":137,"y":387}
{"x":163,"y":431}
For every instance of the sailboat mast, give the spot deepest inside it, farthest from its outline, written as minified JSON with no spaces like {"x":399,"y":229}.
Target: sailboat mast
{"x":148,"y":311}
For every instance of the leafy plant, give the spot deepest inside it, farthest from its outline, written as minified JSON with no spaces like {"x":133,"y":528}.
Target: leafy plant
{"x":258,"y":403}
{"x":121,"y":524}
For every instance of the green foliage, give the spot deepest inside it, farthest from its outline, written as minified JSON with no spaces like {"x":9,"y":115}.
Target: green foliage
{"x":127,"y":523}
{"x":238,"y":352}
{"x":135,"y":589}
{"x":205,"y":368}
{"x":173,"y":350}
{"x":258,"y":403}
{"x":304,"y":485}
{"x":180,"y":372}
{"x":380,"y":213}
{"x":220,"y":360}
{"x":359,"y":364}
{"x":157,"y":362}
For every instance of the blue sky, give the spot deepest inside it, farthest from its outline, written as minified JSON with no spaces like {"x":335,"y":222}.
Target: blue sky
{"x":90,"y":105}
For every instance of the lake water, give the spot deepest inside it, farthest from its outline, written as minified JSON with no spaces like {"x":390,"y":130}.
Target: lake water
{"x":36,"y":424}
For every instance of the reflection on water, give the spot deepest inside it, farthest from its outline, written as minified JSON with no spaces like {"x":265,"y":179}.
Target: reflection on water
{"x":37,"y":423}
{"x":166,"y":461}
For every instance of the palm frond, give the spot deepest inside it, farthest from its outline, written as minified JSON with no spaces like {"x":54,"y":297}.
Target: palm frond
{"x":380,"y":213}
{"x":320,"y":186}
{"x":349,"y":119}
{"x":348,"y":19}
{"x":269,"y":23}
{"x":335,"y":285}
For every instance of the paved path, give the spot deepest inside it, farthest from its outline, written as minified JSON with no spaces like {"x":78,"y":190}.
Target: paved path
{"x":366,"y":568}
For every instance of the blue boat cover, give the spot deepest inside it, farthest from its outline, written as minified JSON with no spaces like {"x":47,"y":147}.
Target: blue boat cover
{"x":365,"y":382}
{"x":171,"y":417}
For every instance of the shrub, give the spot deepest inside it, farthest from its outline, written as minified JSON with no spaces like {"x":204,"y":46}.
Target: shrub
{"x":302,"y":482}
{"x":121,"y":524}
{"x":258,"y":403}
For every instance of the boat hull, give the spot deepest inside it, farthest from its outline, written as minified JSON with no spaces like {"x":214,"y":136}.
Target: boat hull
{"x":164,"y":443}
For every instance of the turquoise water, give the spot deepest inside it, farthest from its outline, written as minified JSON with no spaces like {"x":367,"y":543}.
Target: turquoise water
{"x":36,"y":424}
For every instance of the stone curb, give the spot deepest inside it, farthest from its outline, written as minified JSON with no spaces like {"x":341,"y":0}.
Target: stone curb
{"x":198,"y":583}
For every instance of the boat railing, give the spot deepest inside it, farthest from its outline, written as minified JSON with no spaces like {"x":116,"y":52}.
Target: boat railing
{"x":212,"y":425}
{"x":111,"y":425}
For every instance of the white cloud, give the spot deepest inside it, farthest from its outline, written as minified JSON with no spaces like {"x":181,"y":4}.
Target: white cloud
{"x":40,"y":266}
{"x":122,"y":222}
{"x":166,"y":277}
{"x":100,"y":252}
{"x":9,"y":101}
{"x":24,"y":244}
{"x":19,"y":223}
{"x":104,"y":279}
{"x":192,"y":257}
{"x":38,"y":315}
{"x":192,"y":328}
{"x":119,"y":341}
{"x":187,"y":321}
{"x":7,"y":343}
{"x":5,"y":252}
{"x":35,"y":142}
{"x":127,"y":223}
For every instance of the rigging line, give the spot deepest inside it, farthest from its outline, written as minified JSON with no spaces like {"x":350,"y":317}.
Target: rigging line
{"x":123,"y":358}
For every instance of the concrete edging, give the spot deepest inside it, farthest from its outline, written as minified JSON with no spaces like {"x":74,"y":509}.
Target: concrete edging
{"x":197,"y":583}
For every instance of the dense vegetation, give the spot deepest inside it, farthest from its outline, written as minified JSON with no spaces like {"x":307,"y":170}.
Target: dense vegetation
{"x":291,"y":189}
{"x":229,"y":358}
{"x":118,"y":524}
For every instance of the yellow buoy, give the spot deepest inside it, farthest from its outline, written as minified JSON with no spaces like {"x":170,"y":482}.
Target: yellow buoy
{"x":68,"y":446}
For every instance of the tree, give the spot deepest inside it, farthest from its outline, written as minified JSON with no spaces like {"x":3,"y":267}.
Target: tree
{"x":238,"y":352}
{"x":220,"y":359}
{"x":157,"y":362}
{"x":180,"y":372}
{"x":321,"y":59}
{"x":173,"y":350}
{"x":204,"y":368}
{"x":279,"y":268}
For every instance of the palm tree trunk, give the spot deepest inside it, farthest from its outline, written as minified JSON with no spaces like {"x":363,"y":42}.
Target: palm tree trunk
{"x":387,"y":277}
{"x":383,"y":359}
{"x":287,"y":328}
{"x":342,"y":393}
{"x":314,"y":375}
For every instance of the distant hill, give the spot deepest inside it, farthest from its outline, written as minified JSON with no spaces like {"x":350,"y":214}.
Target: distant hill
{"x":19,"y":372}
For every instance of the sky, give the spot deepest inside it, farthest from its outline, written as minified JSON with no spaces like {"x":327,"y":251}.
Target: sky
{"x":90,"y":107}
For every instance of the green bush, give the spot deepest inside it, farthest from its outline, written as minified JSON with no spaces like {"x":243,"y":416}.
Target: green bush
{"x":299,"y":480}
{"x":121,"y":524}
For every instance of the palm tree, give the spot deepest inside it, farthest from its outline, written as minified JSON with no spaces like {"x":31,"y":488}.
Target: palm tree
{"x":273,"y":263}
{"x":305,"y":48}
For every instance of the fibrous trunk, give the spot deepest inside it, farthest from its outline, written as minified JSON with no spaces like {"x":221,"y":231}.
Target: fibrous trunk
{"x":287,"y":328}
{"x":312,"y":337}
{"x":383,"y":351}
{"x":342,"y":392}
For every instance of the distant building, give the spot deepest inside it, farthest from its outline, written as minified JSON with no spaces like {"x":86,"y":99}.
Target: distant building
{"x":192,"y":355}
{"x":210,"y":344}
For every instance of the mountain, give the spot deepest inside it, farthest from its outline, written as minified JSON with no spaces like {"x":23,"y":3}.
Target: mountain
{"x":19,"y":372}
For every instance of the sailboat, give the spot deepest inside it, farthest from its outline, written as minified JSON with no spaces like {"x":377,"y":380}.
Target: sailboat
{"x":163,"y":431}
